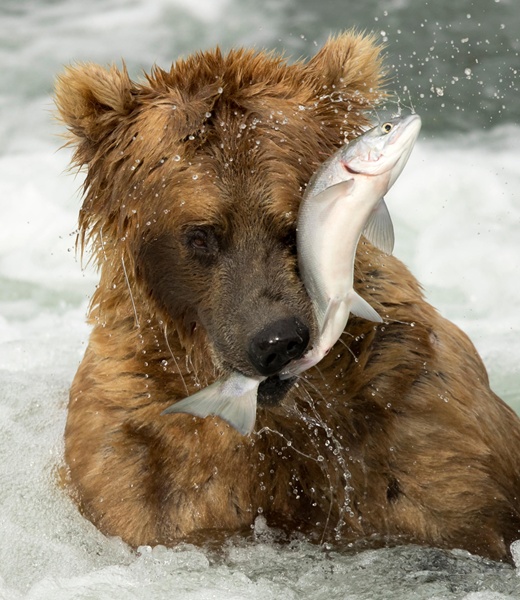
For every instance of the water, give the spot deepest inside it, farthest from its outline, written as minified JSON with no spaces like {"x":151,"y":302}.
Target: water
{"x":456,"y":212}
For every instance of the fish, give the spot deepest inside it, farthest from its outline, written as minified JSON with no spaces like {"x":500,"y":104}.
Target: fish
{"x":343,"y":200}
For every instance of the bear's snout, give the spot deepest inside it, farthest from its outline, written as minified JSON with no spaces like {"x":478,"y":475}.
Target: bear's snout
{"x":277,"y":344}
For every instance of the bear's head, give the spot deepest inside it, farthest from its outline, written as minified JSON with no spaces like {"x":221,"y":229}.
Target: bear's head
{"x":193,"y":182}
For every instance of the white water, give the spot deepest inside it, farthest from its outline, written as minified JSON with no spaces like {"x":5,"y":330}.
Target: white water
{"x":456,"y":211}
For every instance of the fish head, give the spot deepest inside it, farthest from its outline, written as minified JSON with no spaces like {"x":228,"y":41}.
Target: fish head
{"x":383,"y":149}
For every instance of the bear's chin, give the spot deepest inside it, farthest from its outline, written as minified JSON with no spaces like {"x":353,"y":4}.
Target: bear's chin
{"x":272,"y":390}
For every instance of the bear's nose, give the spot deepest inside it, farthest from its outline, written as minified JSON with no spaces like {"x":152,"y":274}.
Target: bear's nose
{"x":277,"y":344}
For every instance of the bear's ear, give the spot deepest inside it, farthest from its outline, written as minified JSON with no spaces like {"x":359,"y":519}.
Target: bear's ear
{"x":91,"y":100}
{"x":347,"y":70}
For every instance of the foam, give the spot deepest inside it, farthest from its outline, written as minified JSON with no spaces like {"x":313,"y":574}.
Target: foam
{"x":457,"y":207}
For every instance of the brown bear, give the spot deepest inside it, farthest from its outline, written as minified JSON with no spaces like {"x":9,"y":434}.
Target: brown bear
{"x":193,"y":182}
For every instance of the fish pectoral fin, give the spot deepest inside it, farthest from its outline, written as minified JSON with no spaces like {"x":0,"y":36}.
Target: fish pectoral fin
{"x":379,"y":229}
{"x":334,"y":192}
{"x":361,"y":308}
{"x":232,"y":399}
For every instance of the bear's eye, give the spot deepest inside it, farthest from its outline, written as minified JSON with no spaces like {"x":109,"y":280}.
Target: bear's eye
{"x":202,"y":241}
{"x":199,"y":240}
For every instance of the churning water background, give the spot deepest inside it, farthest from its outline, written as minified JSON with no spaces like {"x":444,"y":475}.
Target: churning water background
{"x":456,"y":212}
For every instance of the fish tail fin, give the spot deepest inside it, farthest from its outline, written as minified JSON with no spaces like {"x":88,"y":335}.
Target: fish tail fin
{"x":232,"y":399}
{"x":241,"y":414}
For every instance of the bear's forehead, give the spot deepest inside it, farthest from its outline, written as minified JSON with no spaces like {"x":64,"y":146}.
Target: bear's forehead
{"x":227,"y":127}
{"x":233,"y":157}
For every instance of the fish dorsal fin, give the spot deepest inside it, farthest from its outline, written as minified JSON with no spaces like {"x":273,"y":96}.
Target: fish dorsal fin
{"x":361,"y":308}
{"x":379,"y":229}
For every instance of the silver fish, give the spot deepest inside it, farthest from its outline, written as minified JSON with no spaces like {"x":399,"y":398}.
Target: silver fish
{"x":343,"y":200}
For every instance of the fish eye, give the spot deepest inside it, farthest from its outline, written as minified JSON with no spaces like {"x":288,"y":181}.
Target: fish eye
{"x":387,"y":127}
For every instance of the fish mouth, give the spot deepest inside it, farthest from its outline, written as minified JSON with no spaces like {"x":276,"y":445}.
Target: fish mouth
{"x":273,"y":390}
{"x":349,"y":169}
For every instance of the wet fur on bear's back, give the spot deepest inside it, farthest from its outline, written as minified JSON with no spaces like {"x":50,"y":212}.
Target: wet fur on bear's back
{"x":193,"y":181}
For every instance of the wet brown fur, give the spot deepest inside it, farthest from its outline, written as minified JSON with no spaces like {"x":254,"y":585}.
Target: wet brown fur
{"x":396,"y":435}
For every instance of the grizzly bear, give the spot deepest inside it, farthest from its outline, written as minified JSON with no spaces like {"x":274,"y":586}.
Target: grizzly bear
{"x":193,"y":181}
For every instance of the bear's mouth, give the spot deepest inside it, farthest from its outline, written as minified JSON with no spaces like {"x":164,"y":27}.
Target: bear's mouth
{"x":273,"y":390}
